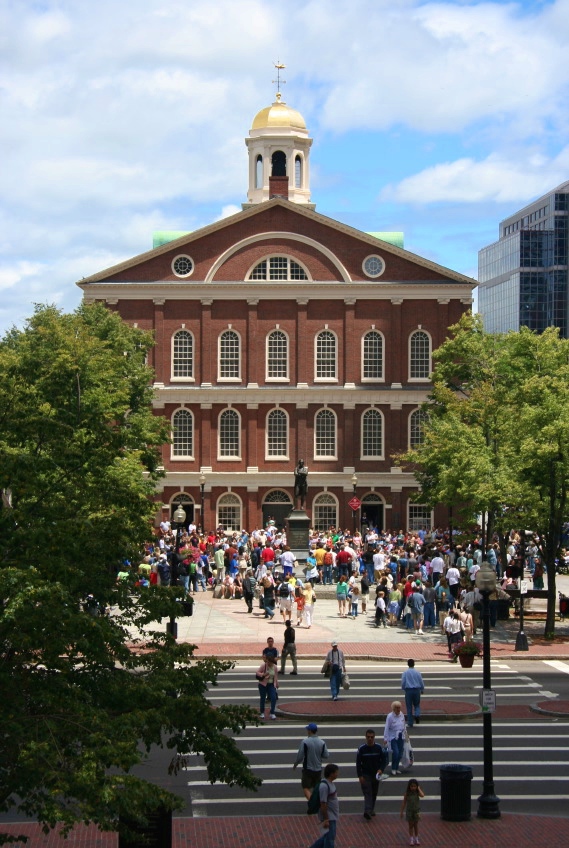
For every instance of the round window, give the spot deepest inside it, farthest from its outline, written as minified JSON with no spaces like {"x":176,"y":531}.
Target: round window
{"x":182,"y":266}
{"x":373,"y":266}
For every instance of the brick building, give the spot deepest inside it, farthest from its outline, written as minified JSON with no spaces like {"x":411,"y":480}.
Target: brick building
{"x":281,"y":333}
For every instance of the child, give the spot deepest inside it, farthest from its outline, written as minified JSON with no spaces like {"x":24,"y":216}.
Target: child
{"x":299,"y":601}
{"x":380,"y":609}
{"x":411,"y":806}
{"x":355,"y":602}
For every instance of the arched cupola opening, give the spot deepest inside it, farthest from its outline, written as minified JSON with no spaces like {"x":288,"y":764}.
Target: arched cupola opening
{"x":278,"y":164}
{"x":259,"y":172}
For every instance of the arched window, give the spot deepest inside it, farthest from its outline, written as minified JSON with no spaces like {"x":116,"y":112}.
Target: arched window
{"x":278,"y":163}
{"x":298,"y":172}
{"x":259,"y":172}
{"x":419,"y":356}
{"x":182,"y":434}
{"x":277,"y":434}
{"x":229,"y":356}
{"x":229,"y":511}
{"x":277,"y":356}
{"x":229,"y":435}
{"x":182,"y":355}
{"x":326,"y":356}
{"x":278,"y":268}
{"x":325,"y":435}
{"x":372,"y":434}
{"x":324,"y":511}
{"x":416,"y":421}
{"x":372,"y":356}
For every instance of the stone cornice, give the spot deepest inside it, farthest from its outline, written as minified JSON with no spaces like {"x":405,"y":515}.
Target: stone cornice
{"x":317,"y":480}
{"x":300,"y":397}
{"x":293,"y":290}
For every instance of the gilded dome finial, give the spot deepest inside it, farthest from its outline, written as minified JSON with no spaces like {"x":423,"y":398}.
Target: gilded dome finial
{"x":278,"y":82}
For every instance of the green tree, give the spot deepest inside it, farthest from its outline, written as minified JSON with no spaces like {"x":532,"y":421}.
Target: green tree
{"x":82,"y":702}
{"x":496,"y":440}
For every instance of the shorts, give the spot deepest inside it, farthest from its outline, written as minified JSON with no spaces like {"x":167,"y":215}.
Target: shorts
{"x":310,"y":778}
{"x":285,"y":605}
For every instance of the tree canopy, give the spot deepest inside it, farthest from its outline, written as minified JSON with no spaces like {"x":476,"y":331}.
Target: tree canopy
{"x":496,"y":440}
{"x":85,"y":696}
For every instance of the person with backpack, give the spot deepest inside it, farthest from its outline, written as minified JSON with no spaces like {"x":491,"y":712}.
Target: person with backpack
{"x":329,"y":812}
{"x":311,"y":752}
{"x":285,"y":595}
{"x":327,"y":564}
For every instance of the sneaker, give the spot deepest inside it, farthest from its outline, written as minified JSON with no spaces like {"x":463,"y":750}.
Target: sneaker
{"x":417,"y":841}
{"x":293,"y":672}
{"x":412,"y":841}
{"x":417,"y":720}
{"x":262,"y":716}
{"x":273,"y":716}
{"x":367,"y":816}
{"x":335,"y":698}
{"x":383,"y":777}
{"x":420,"y":632}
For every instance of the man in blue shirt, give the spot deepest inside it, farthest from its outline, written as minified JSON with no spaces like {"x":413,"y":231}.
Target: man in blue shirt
{"x":413,"y":686}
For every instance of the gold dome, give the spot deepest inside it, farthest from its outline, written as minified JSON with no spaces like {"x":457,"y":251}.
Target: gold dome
{"x":278,"y":115}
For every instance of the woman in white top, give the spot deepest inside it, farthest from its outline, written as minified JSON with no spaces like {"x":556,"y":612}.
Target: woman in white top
{"x":394,"y":735}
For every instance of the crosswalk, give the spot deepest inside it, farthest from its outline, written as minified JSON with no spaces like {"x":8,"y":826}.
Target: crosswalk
{"x":530,"y":759}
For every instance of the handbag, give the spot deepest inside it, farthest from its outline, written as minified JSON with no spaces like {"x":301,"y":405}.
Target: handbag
{"x":407,"y":610}
{"x":407,"y":756}
{"x":345,"y":681}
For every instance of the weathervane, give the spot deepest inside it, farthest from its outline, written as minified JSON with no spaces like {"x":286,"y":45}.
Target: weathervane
{"x":278,"y":82}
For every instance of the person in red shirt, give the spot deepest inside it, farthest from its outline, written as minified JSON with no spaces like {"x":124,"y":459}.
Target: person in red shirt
{"x":344,"y":562}
{"x":268,"y":555}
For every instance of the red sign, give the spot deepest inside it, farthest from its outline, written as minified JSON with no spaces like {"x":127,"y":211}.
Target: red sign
{"x":355,"y":503}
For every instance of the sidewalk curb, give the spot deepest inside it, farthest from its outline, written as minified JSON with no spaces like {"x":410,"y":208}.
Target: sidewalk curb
{"x":318,"y":713}
{"x":535,"y":708}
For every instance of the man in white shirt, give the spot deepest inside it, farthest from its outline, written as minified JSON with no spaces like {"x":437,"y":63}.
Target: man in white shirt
{"x":437,"y":567}
{"x":378,"y":564}
{"x":453,"y":577}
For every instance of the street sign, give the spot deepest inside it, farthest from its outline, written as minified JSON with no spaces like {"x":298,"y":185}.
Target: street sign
{"x":523,"y":587}
{"x":488,"y":700}
{"x":355,"y":503}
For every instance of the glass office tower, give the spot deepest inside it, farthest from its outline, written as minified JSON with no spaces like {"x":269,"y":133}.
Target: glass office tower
{"x":524,"y":276}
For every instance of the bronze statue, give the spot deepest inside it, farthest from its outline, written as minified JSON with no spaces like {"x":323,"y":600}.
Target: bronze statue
{"x":300,"y":484}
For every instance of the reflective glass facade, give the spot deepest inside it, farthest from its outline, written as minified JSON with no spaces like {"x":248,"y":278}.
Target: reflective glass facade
{"x":524,"y":277}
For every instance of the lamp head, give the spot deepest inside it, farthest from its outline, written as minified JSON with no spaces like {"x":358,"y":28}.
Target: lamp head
{"x":354,"y":480}
{"x":485,"y":578}
{"x":180,"y":515}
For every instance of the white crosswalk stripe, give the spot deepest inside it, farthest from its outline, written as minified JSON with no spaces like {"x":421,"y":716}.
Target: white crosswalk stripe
{"x":530,"y":759}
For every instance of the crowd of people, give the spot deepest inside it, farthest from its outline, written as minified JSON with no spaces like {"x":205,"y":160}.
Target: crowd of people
{"x":417,"y":581}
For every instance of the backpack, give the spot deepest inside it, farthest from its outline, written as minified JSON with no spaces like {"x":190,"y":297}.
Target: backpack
{"x":328,"y":558}
{"x":284,"y":590}
{"x":314,"y":800}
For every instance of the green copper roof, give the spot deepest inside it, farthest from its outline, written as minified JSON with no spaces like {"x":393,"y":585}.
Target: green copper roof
{"x":164,"y":236}
{"x":392,"y":238}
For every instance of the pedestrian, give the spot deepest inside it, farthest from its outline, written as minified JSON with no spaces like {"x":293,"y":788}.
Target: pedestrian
{"x":364,"y":589}
{"x":342,"y":595}
{"x":270,"y":650}
{"x":413,"y":686}
{"x":249,"y":584}
{"x":289,"y":648}
{"x":411,"y":806}
{"x":299,"y":601}
{"x":429,"y":608}
{"x":416,"y":601}
{"x":337,"y":665}
{"x":371,"y":760}
{"x":268,"y":595}
{"x":393,"y":735}
{"x":380,"y":617}
{"x":268,"y":680}
{"x":355,"y":602}
{"x":309,"y":601}
{"x":329,"y":812}
{"x":311,"y":752}
{"x":285,"y":595}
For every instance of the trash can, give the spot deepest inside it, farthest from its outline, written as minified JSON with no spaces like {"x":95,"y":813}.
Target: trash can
{"x":455,"y":792}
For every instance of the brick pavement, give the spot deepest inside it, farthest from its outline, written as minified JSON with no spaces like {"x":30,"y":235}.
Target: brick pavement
{"x":353,"y":832}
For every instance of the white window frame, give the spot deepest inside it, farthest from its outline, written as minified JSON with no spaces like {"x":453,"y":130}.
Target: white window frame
{"x":429,"y":526}
{"x":287,"y":279}
{"x":272,"y":457}
{"x":269,"y":379}
{"x":236,"y":503}
{"x":380,"y":455}
{"x":183,"y":256}
{"x":380,"y":379}
{"x":318,"y":413}
{"x":236,"y":379}
{"x":191,"y":378}
{"x":409,"y":426}
{"x":228,"y":457}
{"x":333,"y":379}
{"x":175,"y":457}
{"x":430,"y":363}
{"x":316,"y":504}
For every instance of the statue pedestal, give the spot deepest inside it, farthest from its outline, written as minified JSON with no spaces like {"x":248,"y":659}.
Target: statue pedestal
{"x":297,"y":527}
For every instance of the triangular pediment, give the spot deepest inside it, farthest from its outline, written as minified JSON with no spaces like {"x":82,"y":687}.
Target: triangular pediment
{"x":280,"y":218}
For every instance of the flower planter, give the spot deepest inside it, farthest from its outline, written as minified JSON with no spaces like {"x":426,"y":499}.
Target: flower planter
{"x":466,"y":660}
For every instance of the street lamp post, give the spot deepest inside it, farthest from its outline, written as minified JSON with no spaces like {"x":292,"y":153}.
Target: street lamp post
{"x":202,"y":490}
{"x":488,"y":802}
{"x":179,"y":520}
{"x":521,"y":638}
{"x":354,"y":489}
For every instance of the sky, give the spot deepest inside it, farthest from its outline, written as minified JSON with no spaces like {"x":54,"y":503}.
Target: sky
{"x":121,"y":118}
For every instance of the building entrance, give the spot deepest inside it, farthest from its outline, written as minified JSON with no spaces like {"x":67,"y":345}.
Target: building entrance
{"x":277,"y":506}
{"x":372,"y":512}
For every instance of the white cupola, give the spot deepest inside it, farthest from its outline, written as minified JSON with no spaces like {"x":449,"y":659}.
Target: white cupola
{"x":279,"y":148}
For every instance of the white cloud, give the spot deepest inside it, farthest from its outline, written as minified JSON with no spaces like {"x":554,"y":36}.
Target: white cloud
{"x":499,"y":178}
{"x":227,"y":211}
{"x":11,"y":276}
